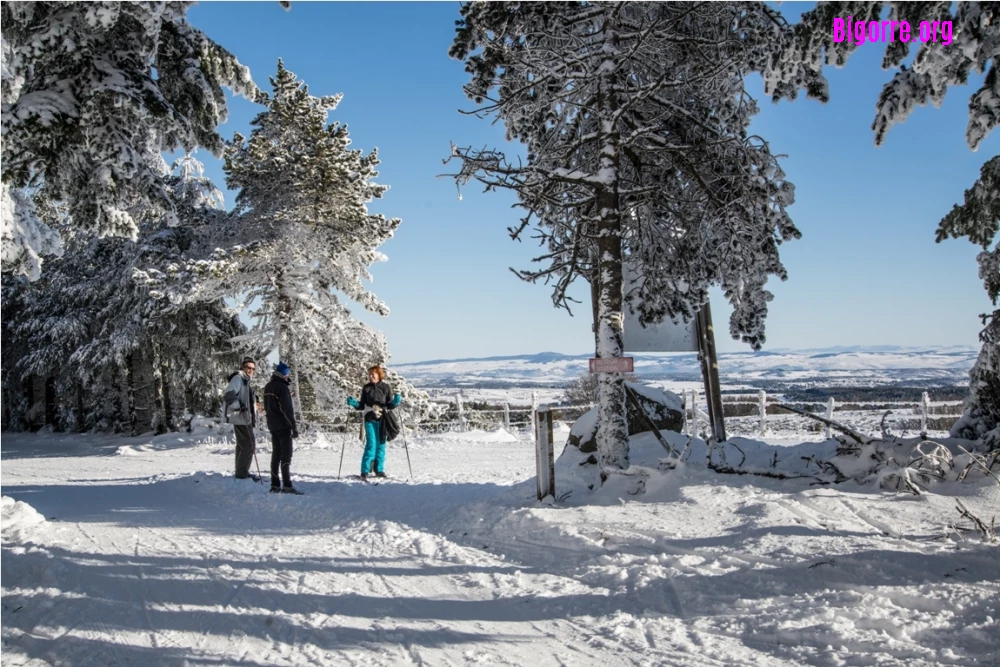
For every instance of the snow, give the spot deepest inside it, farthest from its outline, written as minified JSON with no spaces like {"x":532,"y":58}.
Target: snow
{"x":829,"y":366}
{"x":132,"y":550}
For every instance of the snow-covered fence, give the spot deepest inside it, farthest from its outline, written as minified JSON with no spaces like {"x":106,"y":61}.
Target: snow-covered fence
{"x":914,"y":416}
{"x":458,"y":415}
{"x":694,"y":416}
{"x":751,"y":415}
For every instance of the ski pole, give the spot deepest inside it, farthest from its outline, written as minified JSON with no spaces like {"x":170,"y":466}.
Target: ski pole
{"x":343,"y":446}
{"x":402,"y":427}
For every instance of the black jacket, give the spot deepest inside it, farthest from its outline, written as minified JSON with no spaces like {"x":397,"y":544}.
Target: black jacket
{"x":375,"y":394}
{"x":278,"y":405}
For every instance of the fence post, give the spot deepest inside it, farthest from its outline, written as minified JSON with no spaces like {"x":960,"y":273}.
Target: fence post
{"x":695,"y":417}
{"x":461,"y":413}
{"x":829,"y":415}
{"x":926,"y":400}
{"x":506,"y":416}
{"x":763,"y":413}
{"x":534,"y":410}
{"x":544,"y":460}
{"x":687,"y":422}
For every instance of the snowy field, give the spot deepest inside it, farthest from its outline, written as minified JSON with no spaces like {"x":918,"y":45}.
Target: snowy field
{"x":145,"y":551}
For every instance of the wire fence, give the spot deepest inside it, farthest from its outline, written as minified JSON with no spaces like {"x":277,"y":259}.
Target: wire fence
{"x":745,"y":414}
{"x":455,"y":417}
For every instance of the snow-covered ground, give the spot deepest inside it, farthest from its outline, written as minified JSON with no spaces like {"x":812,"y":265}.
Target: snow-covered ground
{"x":145,"y":551}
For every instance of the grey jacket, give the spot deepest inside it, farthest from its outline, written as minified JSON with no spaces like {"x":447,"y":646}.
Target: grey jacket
{"x":239,"y":396}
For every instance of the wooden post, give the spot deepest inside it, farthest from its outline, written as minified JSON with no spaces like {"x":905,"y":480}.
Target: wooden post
{"x":829,"y":415}
{"x":687,"y":406}
{"x":461,"y":413}
{"x":763,"y":413}
{"x":534,"y":409}
{"x":544,"y":459}
{"x":695,"y":417}
{"x":710,"y":372}
{"x":926,"y":400}
{"x":506,"y":416}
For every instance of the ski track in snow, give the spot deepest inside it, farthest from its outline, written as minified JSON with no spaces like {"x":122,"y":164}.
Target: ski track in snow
{"x":148,"y":552}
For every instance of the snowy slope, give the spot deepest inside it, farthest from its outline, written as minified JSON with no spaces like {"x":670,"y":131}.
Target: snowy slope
{"x":854,"y":366}
{"x":146,"y":551}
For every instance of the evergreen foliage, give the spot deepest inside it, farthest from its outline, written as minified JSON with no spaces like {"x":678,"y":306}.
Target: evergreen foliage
{"x":122,"y":358}
{"x":978,"y":219}
{"x":299,"y":239}
{"x":92,"y":94}
{"x":797,"y":62}
{"x":635,"y":121}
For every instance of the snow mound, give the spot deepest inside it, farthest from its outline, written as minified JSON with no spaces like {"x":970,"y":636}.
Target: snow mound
{"x":19,"y":520}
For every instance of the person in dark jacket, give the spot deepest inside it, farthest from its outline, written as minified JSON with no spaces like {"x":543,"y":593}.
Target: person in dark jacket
{"x":376,"y":397}
{"x":281,"y":424}
{"x":241,"y":411}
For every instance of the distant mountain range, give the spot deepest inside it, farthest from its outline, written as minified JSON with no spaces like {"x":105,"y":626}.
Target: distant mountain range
{"x":839,"y":366}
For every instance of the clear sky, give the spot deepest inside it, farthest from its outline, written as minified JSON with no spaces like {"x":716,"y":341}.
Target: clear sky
{"x":866,"y":272}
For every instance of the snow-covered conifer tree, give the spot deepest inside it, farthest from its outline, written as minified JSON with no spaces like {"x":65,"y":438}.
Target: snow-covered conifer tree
{"x":634,"y":118}
{"x":303,"y":203}
{"x":92,"y":93}
{"x":122,"y":358}
{"x":975,"y":47}
{"x":798,"y":58}
{"x":978,"y":218}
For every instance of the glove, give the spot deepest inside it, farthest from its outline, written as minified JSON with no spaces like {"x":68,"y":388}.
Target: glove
{"x":295,"y":432}
{"x":353,"y":402}
{"x":396,"y":399}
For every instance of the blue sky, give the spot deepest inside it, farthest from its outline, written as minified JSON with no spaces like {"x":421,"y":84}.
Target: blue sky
{"x":866,"y":272}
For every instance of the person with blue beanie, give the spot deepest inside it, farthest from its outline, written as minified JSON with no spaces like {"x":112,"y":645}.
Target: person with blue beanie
{"x":376,"y":398}
{"x":281,"y":424}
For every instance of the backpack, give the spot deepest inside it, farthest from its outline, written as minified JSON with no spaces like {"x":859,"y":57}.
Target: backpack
{"x":390,"y":422}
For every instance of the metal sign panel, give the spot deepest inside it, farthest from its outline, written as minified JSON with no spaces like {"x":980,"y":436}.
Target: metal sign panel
{"x":612,"y":365}
{"x":667,"y":336}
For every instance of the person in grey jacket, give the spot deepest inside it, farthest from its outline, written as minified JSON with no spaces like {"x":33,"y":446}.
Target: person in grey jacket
{"x":241,"y":412}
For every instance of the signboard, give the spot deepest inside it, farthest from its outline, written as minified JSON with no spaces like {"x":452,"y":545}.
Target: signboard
{"x":667,"y":336}
{"x":612,"y":365}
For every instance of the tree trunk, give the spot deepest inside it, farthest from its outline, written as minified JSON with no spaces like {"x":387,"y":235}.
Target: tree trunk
{"x":612,"y":428}
{"x":595,"y":291}
{"x":163,"y":389}
{"x":81,"y":415}
{"x":130,"y":413}
{"x":51,"y":404}
{"x":38,"y":402}
{"x":144,"y":408}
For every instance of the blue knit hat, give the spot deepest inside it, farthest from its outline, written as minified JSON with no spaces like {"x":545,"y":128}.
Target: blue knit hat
{"x":282,"y":368}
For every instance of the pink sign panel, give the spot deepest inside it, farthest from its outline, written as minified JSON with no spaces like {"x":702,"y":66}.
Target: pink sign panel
{"x":612,"y":365}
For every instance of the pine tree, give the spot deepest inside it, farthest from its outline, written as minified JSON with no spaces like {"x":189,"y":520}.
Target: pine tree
{"x":122,"y":358}
{"x":92,"y":94}
{"x":303,"y":205}
{"x":798,"y":60}
{"x":978,"y":219}
{"x":634,"y":119}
